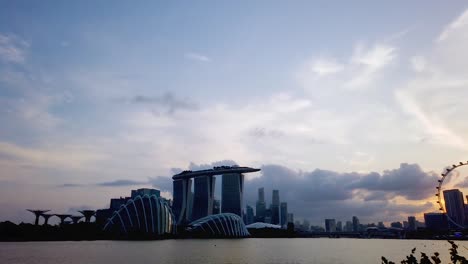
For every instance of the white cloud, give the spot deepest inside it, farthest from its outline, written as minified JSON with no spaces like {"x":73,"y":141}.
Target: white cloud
{"x":359,"y":72}
{"x":460,"y":22}
{"x":323,"y":67}
{"x":197,"y":57}
{"x":12,"y":49}
{"x":435,"y":98}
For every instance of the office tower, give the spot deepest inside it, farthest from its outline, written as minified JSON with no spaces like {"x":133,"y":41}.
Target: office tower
{"x":216,"y":207}
{"x":405,"y":224}
{"x":305,"y":225}
{"x":250,"y":215}
{"x":411,"y":223}
{"x":455,"y":206}
{"x":203,"y":196}
{"x":261,"y":194}
{"x":232,"y":187}
{"x":268,"y":216}
{"x":355,"y":224}
{"x":330,"y":225}
{"x":181,"y":192}
{"x":396,"y":225}
{"x":436,"y":221}
{"x":145,"y":191}
{"x":349,"y":226}
{"x":275,"y":208}
{"x":260,"y":207}
{"x":284,"y":214}
{"x":339,"y":226}
{"x":290,"y":218}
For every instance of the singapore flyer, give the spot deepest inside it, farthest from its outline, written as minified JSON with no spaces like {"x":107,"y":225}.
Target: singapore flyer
{"x":450,"y":198}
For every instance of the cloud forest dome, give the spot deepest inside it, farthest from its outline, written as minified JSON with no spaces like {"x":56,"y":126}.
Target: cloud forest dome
{"x":219,"y":225}
{"x":143,"y":214}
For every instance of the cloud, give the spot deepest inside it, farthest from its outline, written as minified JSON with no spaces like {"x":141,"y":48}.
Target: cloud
{"x":197,"y":57}
{"x":456,"y":25}
{"x":167,"y":102}
{"x":12,"y":49}
{"x":121,"y":183}
{"x":362,"y":69}
{"x":434,"y":97}
{"x":323,"y":193}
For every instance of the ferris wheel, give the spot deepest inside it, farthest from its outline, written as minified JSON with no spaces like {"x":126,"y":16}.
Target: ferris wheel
{"x":439,"y":193}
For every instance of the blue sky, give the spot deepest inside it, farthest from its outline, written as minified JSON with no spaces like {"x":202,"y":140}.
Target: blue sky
{"x":94,"y":92}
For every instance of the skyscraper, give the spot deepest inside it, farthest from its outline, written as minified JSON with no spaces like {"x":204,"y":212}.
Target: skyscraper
{"x":411,"y":223}
{"x":203,"y":197}
{"x":181,"y":193}
{"x":275,"y":208}
{"x":250,"y":215}
{"x":290,"y":218}
{"x":260,"y":207}
{"x":355,"y":224}
{"x":216,"y":207}
{"x":232,"y":186}
{"x":455,"y":205}
{"x":330,"y":225}
{"x":339,"y":226}
{"x":261,"y":194}
{"x":144,"y":191}
{"x":284,"y":214}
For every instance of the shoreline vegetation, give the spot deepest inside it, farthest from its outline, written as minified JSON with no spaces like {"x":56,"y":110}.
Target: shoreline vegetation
{"x":91,"y":231}
{"x":455,"y":258}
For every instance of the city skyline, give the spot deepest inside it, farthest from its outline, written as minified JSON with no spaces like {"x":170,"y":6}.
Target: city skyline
{"x":347,"y":110}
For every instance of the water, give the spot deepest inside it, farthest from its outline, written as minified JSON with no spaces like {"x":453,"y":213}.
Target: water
{"x":255,"y":251}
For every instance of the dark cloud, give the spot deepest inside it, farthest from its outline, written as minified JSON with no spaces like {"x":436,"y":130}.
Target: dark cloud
{"x":167,"y":103}
{"x":322,"y":193}
{"x":408,"y":181}
{"x":121,"y":183}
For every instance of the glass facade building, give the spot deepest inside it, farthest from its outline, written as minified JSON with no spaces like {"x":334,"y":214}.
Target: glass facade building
{"x":181,"y":193}
{"x":232,"y":186}
{"x":203,"y":199}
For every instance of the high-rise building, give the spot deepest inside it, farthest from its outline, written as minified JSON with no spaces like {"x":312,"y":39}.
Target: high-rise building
{"x":339,"y":226}
{"x":232,"y":187}
{"x":250,"y":217}
{"x":455,"y":206}
{"x":396,"y":224}
{"x":275,"y":208}
{"x":349,"y":226}
{"x":268,"y":216}
{"x":290,"y":218}
{"x":145,"y":191}
{"x":284,"y":214}
{"x":203,"y":196}
{"x":190,"y":206}
{"x":411,"y":223}
{"x":216,"y":207}
{"x":305,"y":225}
{"x":260,"y":207}
{"x":330,"y":225}
{"x":181,"y":193}
{"x":261,"y":194}
{"x":355,"y":224}
{"x":436,"y":221}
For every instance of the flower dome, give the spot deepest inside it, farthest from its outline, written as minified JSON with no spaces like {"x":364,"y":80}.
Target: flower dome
{"x":147,"y":215}
{"x":219,"y":225}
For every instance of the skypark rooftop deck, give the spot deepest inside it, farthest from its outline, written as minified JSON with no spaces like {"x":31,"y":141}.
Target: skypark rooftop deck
{"x":215,"y":171}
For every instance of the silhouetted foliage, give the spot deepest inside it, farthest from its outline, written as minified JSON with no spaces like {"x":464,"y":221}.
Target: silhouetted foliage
{"x":411,"y":259}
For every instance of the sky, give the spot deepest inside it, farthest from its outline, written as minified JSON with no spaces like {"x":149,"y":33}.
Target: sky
{"x":348,"y":108}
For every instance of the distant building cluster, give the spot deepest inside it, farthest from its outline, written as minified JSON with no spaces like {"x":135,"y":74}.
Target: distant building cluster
{"x":276,"y":213}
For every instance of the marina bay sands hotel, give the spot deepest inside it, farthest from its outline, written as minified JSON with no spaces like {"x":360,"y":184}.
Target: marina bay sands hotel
{"x":202,"y":202}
